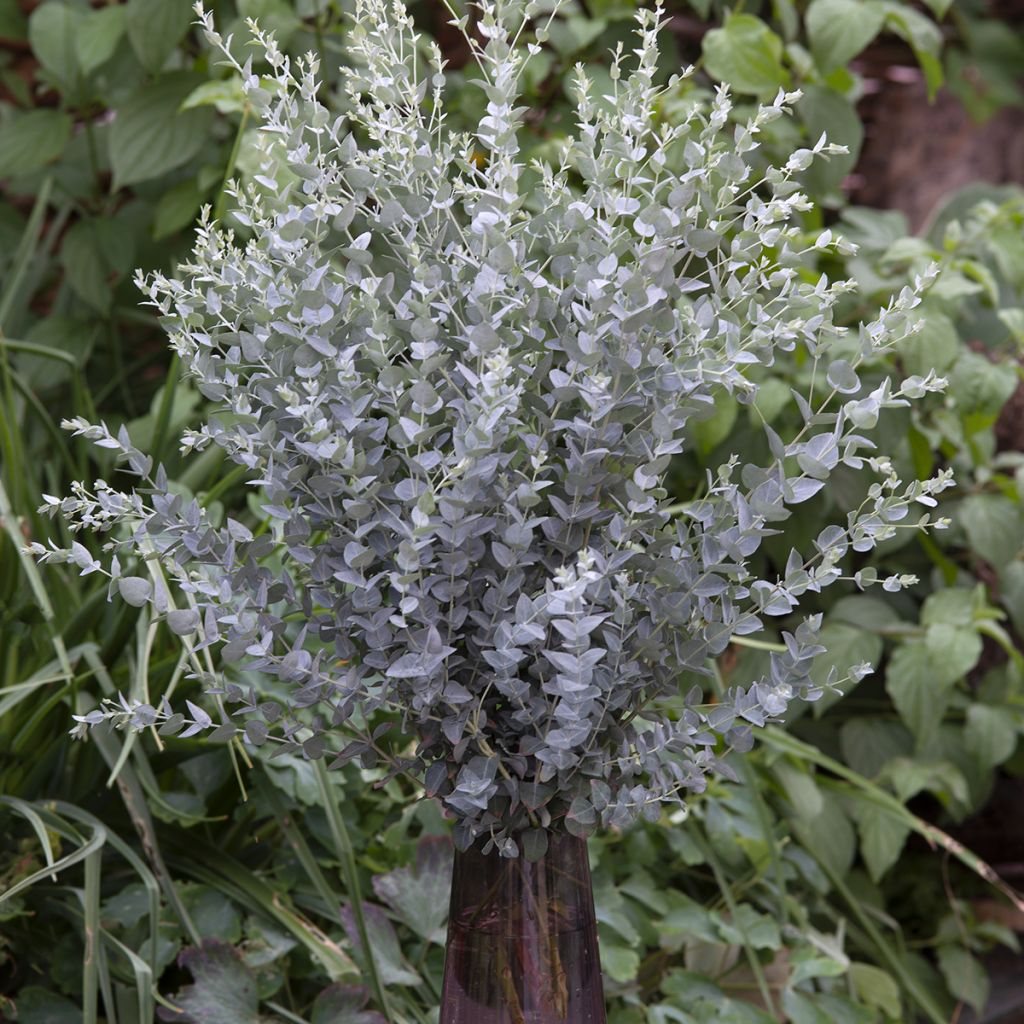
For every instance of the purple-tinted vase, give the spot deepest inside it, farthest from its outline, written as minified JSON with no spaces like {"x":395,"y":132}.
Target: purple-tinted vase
{"x":522,"y":939}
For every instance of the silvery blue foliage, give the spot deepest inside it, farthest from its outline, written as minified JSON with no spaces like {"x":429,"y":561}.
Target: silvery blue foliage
{"x":458,"y":383}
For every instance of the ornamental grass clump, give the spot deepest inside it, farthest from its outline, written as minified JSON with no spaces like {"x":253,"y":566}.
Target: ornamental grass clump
{"x":458,"y":383}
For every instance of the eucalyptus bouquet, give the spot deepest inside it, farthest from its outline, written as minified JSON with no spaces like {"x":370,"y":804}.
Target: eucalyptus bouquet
{"x":458,"y":383}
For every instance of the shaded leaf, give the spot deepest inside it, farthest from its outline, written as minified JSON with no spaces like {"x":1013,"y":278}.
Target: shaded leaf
{"x":419,"y":894}
{"x":31,"y":140}
{"x":155,"y":28}
{"x":150,"y":137}
{"x":747,"y":54}
{"x":223,"y":989}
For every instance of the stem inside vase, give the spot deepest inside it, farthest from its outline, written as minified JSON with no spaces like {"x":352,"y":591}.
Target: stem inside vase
{"x":522,"y":939}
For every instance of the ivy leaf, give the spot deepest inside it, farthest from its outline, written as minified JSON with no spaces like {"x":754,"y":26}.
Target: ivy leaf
{"x":839,"y":29}
{"x":155,"y":27}
{"x":150,"y":137}
{"x":223,"y":989}
{"x":747,"y":54}
{"x":31,"y":140}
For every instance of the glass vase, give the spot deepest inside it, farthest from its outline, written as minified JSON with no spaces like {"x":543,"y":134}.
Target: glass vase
{"x":522,"y":939}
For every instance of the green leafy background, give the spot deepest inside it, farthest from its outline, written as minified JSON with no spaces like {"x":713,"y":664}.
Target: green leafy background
{"x":824,"y":886}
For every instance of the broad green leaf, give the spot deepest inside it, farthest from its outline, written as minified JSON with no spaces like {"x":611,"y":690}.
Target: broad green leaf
{"x":935,"y":347}
{"x":882,"y":836}
{"x":31,"y":140}
{"x":276,"y":16}
{"x":711,"y":432}
{"x":177,"y":208}
{"x":787,"y":17}
{"x":864,"y":610}
{"x":52,"y":31}
{"x":952,"y":650}
{"x":846,"y":646}
{"x":773,"y":395}
{"x":155,"y":27}
{"x":824,"y":110}
{"x":830,"y":837}
{"x":920,"y":697}
{"x":344,"y":1004}
{"x":910,"y":776}
{"x":964,"y":975}
{"x":575,"y":33}
{"x":214,"y":915}
{"x":876,"y":988}
{"x":994,"y":527}
{"x":868,"y":744}
{"x":13,"y":23}
{"x":924,"y":37}
{"x":1013,"y":320}
{"x":841,"y":1010}
{"x":800,"y":788}
{"x":150,"y":137}
{"x":418,"y":894}
{"x":223,"y":989}
{"x":803,"y":1008}
{"x":873,"y":230}
{"x":839,"y":29}
{"x":100,"y":32}
{"x":748,"y":927}
{"x":84,"y":266}
{"x":979,"y":385}
{"x":37,"y":1005}
{"x":619,"y":962}
{"x":990,"y":734}
{"x":939,"y":7}
{"x":223,"y":93}
{"x":954,"y":606}
{"x":394,"y":968}
{"x":747,"y":54}
{"x":685,"y":919}
{"x":1011,"y":590}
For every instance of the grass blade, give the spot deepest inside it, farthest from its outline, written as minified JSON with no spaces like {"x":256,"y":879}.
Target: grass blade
{"x":346,"y":856}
